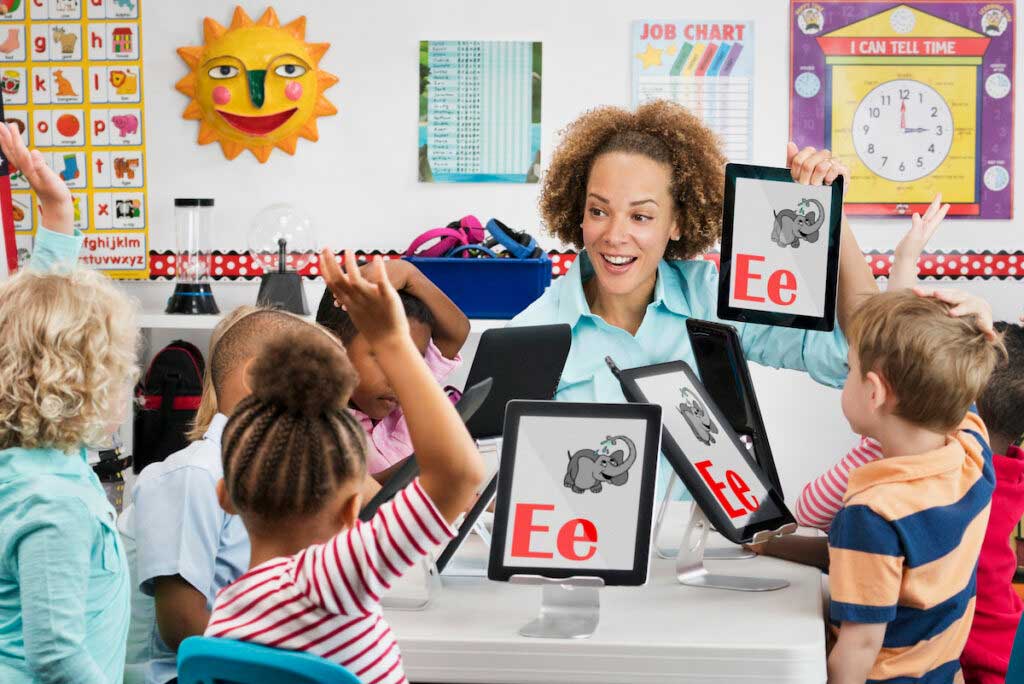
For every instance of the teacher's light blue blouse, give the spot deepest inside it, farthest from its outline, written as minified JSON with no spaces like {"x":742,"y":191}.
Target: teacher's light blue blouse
{"x":684,"y":289}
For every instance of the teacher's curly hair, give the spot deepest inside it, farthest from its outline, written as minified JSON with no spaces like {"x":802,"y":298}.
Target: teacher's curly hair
{"x":662,"y":131}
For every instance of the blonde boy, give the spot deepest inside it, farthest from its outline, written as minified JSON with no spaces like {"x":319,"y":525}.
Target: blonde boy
{"x":904,"y":547}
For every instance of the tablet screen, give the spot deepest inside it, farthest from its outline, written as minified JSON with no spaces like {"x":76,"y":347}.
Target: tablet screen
{"x":576,"y":492}
{"x":721,"y":462}
{"x":780,"y":247}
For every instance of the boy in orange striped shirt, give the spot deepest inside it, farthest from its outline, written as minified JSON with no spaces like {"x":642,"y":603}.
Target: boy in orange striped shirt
{"x":903,"y":549}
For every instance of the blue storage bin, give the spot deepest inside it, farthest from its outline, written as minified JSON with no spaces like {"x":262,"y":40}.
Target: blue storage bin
{"x":488,"y":288}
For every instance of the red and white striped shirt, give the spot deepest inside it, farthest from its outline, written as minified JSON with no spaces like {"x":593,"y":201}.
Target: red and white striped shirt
{"x":326,"y":599}
{"x":822,"y":498}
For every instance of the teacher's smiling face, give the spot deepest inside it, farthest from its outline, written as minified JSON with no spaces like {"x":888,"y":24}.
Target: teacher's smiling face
{"x":628,"y":219}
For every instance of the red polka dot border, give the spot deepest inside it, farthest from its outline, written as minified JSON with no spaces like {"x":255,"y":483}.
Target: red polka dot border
{"x":951,"y":265}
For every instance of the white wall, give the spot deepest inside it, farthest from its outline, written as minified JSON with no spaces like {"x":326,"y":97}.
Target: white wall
{"x":359,"y":182}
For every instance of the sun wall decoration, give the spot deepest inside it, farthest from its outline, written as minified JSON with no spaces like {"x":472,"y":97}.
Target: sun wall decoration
{"x":256,"y":85}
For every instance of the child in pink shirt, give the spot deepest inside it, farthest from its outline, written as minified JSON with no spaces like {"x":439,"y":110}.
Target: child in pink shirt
{"x":438,"y":328}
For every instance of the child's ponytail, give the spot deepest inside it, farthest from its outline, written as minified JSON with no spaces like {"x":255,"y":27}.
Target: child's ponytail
{"x":292,"y":442}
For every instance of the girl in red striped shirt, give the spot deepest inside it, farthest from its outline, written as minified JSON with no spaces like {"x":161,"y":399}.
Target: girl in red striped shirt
{"x":293,"y":461}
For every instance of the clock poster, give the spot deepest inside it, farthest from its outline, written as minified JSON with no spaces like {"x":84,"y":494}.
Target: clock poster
{"x":914,"y":97}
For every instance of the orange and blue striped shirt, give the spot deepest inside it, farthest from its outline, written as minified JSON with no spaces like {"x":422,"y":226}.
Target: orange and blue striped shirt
{"x":904,"y":550}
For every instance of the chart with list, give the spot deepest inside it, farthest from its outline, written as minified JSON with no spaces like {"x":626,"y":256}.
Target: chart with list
{"x":706,"y":66}
{"x":479,"y":111}
{"x":71,"y":78}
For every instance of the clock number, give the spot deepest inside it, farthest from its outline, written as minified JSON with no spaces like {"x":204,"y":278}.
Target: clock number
{"x":935,"y":112}
{"x":875,"y":112}
{"x":866,"y":129}
{"x":904,"y":93}
{"x":938,"y":130}
{"x":884,"y":159}
{"x":871,"y":148}
{"x":903,"y":167}
{"x":920,"y":98}
{"x":920,"y":162}
{"x":931,"y":148}
{"x":887,"y":99}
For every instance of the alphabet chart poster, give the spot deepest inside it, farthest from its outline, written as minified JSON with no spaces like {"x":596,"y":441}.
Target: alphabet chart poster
{"x":576,"y":490}
{"x":479,"y":111}
{"x":915,"y":98}
{"x":706,"y":66}
{"x":71,"y":78}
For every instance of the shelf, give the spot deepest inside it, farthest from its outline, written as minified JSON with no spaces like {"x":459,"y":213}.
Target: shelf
{"x":162,"y":321}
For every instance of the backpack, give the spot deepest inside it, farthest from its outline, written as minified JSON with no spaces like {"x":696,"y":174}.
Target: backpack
{"x":168,"y":399}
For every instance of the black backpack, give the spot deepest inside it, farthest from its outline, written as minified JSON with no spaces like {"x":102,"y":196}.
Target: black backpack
{"x":168,"y":397}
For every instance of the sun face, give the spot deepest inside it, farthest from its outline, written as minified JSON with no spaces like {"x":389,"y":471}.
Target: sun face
{"x":256,"y":85}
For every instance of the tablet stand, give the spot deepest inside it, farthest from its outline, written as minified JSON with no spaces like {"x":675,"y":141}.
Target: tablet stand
{"x":570,"y":607}
{"x":432,"y":584}
{"x":474,"y":567}
{"x":690,"y":568}
{"x":714,"y":553}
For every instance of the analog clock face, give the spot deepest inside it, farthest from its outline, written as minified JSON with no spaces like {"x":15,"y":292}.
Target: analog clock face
{"x":902,"y":130}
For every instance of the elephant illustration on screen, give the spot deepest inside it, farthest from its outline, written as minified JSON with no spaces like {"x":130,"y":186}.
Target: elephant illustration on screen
{"x":792,"y":226}
{"x":696,"y":416}
{"x":589,"y":470}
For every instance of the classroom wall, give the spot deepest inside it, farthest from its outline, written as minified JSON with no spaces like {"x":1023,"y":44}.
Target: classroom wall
{"x":359,"y":182}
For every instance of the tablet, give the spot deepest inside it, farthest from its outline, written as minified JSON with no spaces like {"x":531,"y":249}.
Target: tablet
{"x":723,"y":371}
{"x":474,"y":513}
{"x":780,"y":249}
{"x":525,"y":362}
{"x":472,"y":399}
{"x":724,"y":479}
{"x":576,"y":491}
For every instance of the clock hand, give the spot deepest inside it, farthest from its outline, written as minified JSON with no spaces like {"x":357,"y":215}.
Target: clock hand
{"x":914,"y":130}
{"x":903,"y":115}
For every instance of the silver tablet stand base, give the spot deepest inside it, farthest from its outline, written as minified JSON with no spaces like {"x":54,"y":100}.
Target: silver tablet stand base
{"x":690,"y":568}
{"x":713,"y":553}
{"x":569,"y":608}
{"x":431,"y":584}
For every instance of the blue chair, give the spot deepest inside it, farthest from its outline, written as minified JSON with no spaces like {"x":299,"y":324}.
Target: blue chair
{"x":1015,"y":672}
{"x":202,"y":660}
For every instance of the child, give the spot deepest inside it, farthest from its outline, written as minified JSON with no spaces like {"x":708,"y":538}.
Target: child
{"x":182,"y":547}
{"x":293,"y":458}
{"x":67,"y":363}
{"x":998,"y":608}
{"x":903,"y":549}
{"x":439,"y":330}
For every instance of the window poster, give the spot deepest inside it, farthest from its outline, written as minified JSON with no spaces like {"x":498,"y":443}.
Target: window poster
{"x":71,"y":78}
{"x":479,"y":111}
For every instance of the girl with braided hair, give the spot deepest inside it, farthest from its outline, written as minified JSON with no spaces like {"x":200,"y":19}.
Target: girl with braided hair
{"x":294,"y":459}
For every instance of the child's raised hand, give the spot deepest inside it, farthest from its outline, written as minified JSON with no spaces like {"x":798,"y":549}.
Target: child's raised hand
{"x":903,"y":273}
{"x":811,"y":166}
{"x":375,"y":307}
{"x":964,"y":304}
{"x":56,"y":208}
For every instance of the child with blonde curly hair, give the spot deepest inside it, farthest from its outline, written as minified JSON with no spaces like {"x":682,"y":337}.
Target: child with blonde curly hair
{"x":67,"y":361}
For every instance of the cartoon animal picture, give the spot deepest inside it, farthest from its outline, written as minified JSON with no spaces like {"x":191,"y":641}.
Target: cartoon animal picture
{"x":126,"y":124}
{"x":64,"y":87}
{"x":589,"y":470}
{"x":127,"y":4}
{"x":125,"y":168}
{"x":696,"y":416}
{"x":792,"y":226}
{"x":126,"y":82}
{"x":67,"y":40}
{"x":128,"y":209}
{"x":67,"y":6}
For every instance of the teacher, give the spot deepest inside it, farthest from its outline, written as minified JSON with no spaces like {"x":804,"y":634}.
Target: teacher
{"x":640,"y":193}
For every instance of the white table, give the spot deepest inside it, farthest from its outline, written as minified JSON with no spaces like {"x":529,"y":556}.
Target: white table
{"x":661,"y":632}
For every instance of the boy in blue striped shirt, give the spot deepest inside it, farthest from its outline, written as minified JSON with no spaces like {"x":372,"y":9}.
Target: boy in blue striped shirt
{"x":904,"y":547}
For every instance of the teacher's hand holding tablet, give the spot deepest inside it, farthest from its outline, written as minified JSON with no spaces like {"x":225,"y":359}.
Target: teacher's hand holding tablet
{"x":811,"y":166}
